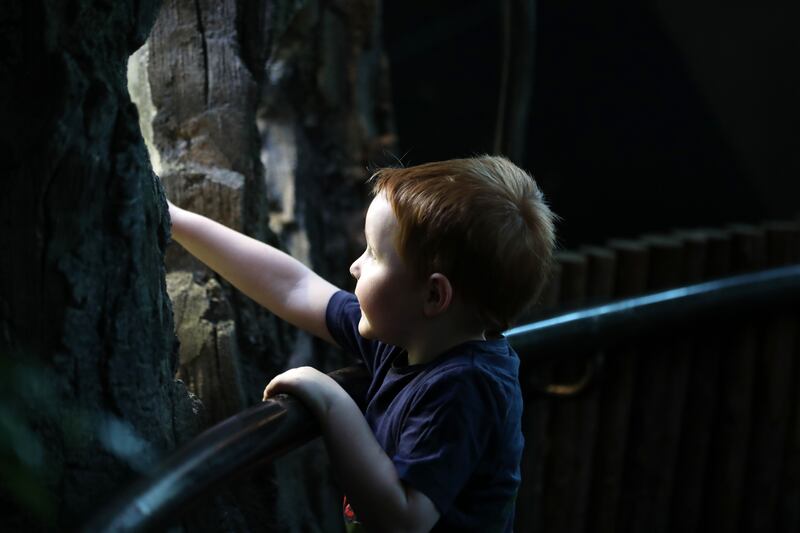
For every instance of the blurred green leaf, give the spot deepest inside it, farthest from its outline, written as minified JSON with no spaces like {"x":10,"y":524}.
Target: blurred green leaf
{"x":24,"y":390}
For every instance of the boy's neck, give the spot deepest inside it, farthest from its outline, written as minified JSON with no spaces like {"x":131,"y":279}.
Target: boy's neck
{"x":428,"y":348}
{"x":435,"y":334}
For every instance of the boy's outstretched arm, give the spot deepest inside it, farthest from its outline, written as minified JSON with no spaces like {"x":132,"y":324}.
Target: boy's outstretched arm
{"x":381,"y":500}
{"x":272,"y":278}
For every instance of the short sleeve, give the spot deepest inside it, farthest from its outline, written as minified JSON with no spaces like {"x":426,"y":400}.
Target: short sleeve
{"x":342,"y":316}
{"x":444,"y":436}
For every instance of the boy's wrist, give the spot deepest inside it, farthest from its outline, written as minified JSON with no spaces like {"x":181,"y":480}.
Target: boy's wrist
{"x":329,"y":394}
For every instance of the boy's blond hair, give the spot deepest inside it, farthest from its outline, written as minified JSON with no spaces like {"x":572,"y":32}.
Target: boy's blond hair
{"x":482,"y":222}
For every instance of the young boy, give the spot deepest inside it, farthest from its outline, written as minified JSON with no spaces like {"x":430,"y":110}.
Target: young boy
{"x":455,"y":250}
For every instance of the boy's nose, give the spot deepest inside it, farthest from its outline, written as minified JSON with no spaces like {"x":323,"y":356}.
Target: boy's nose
{"x":355,"y":271}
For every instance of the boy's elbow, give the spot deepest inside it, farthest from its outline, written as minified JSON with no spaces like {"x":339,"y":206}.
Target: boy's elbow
{"x":410,"y":526}
{"x":418,"y":516}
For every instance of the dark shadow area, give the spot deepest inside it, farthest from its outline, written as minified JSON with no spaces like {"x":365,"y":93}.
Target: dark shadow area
{"x":645,"y":117}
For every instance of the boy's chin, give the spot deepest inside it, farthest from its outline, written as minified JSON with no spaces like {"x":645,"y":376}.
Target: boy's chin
{"x":364,"y":330}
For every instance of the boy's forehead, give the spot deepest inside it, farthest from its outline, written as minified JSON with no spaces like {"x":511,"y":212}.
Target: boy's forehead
{"x":380,"y":217}
{"x":378,"y":208}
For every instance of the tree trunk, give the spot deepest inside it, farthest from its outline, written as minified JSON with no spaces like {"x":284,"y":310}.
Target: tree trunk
{"x":86,"y":331}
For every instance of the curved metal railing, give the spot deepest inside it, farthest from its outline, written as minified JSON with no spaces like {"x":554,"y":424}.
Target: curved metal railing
{"x":270,"y":429}
{"x":599,"y":326}
{"x":255,"y":436}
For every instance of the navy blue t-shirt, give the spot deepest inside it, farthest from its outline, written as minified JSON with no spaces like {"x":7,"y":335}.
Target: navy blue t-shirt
{"x":452,"y":426}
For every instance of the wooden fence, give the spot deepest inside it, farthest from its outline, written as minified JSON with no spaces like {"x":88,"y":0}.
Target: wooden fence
{"x":689,"y":430}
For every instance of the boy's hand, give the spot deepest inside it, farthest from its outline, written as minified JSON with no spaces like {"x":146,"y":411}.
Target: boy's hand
{"x":316,"y":390}
{"x":381,"y":500}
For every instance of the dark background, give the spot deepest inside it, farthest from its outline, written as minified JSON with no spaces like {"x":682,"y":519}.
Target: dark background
{"x":645,"y":116}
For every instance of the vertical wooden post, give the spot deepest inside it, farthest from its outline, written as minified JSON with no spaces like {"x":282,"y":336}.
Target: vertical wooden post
{"x":602,"y":264}
{"x":657,"y":408}
{"x":616,"y":391}
{"x":707,"y":257}
{"x":534,"y":376}
{"x":772,"y":400}
{"x":788,"y":512}
{"x":730,"y":433}
{"x":572,"y":421}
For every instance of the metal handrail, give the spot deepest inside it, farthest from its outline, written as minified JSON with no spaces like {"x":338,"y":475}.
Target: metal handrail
{"x":600,"y":326}
{"x":272,"y":428}
{"x":257,"y":435}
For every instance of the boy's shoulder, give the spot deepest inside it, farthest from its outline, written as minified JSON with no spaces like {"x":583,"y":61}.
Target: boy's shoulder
{"x":483,"y":367}
{"x":481,"y":357}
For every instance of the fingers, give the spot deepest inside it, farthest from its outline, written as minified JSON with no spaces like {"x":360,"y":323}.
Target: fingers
{"x":270,"y":389}
{"x":286,"y":381}
{"x":266,"y":392}
{"x":278,"y":383}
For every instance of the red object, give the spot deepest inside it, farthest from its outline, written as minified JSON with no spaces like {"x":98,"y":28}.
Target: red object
{"x":348,"y":512}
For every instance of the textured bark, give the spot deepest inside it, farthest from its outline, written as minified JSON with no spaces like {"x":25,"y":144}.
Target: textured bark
{"x":209,"y":359}
{"x":204,"y":136}
{"x":311,"y":75}
{"x":325,"y":119}
{"x":84,"y":312}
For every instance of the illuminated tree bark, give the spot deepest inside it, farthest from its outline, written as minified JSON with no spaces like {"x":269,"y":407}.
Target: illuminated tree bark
{"x":264,"y":116}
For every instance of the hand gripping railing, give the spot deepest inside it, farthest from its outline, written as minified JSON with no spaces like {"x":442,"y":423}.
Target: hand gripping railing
{"x":268,"y":430}
{"x":257,"y":435}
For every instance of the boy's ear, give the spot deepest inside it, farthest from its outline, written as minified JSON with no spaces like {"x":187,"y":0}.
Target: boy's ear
{"x":439,"y":296}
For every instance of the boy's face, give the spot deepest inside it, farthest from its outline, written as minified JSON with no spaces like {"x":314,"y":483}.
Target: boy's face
{"x":391,"y":299}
